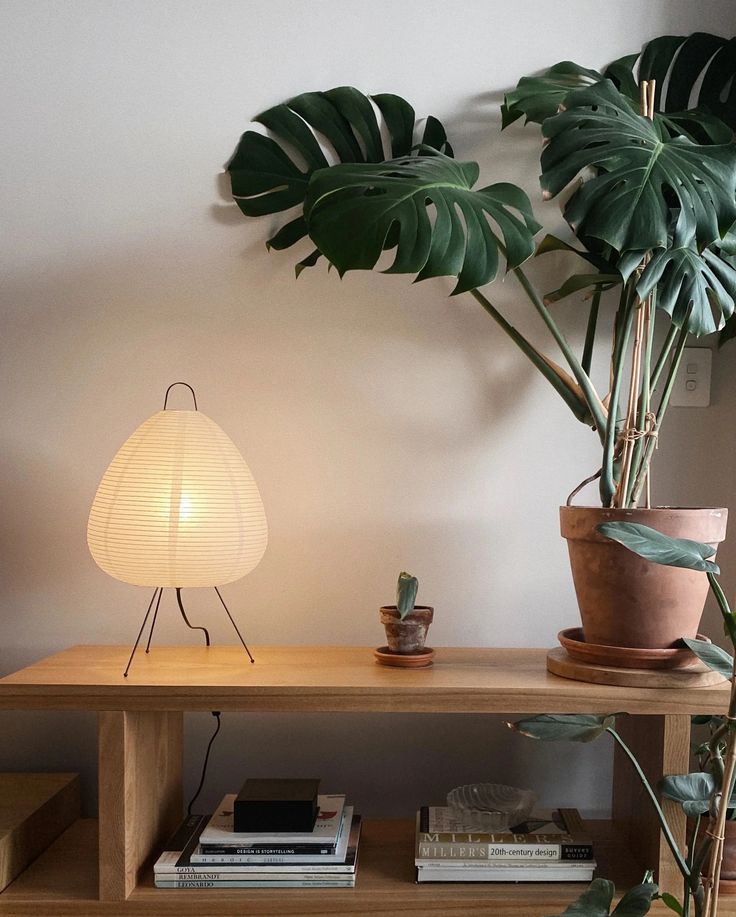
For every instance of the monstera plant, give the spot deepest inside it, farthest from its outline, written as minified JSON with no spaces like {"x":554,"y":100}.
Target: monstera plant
{"x":644,"y":149}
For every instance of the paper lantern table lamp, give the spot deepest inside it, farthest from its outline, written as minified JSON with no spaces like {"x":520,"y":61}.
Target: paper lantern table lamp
{"x":177,"y":507}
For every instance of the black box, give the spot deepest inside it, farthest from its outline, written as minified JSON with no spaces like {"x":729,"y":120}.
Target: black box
{"x":276,"y":805}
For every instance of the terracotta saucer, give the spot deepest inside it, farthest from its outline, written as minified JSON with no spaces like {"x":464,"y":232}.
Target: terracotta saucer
{"x":627,"y":657}
{"x":384,"y":656}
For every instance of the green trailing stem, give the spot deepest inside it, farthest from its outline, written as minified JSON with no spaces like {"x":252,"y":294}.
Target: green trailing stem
{"x":594,"y":403}
{"x":577,"y":405}
{"x":663,"y":356}
{"x":671,"y":843}
{"x":590,"y":330}
{"x":723,"y":606}
{"x":662,"y":410}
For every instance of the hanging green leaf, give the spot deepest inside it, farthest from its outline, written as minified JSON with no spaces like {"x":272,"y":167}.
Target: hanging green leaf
{"x":693,"y":75}
{"x":637,"y":901}
{"x":597,"y":898}
{"x":671,"y":902}
{"x":595,"y":901}
{"x":271,"y":175}
{"x":566,"y":727}
{"x":692,"y":791}
{"x":577,"y":282}
{"x":540,"y":97}
{"x":692,"y":287}
{"x":427,"y":208}
{"x":713,"y":656}
{"x":626,"y":204}
{"x":659,"y":548}
{"x":693,"y":94}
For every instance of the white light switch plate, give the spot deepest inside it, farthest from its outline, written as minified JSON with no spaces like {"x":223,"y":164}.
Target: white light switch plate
{"x":692,"y":384}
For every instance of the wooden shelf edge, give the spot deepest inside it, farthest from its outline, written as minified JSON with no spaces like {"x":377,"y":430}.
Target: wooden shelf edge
{"x":63,"y":882}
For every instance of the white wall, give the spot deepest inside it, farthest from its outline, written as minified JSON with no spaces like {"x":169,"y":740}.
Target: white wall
{"x":387,"y":426}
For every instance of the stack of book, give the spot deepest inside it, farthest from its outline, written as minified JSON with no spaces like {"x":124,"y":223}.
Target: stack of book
{"x":550,"y":847}
{"x":206,"y":852}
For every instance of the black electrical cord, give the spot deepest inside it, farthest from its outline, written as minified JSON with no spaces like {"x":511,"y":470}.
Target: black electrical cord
{"x":216,"y":714}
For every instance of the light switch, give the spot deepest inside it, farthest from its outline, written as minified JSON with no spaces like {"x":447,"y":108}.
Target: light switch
{"x":692,"y":383}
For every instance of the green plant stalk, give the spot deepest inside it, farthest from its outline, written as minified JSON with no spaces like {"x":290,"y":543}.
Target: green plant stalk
{"x":664,"y":354}
{"x":723,"y":607}
{"x":608,"y":483}
{"x":644,"y":402}
{"x":662,"y":410}
{"x":716,"y":856}
{"x":578,"y":407}
{"x":590,"y":330}
{"x":675,"y":850}
{"x":595,"y":406}
{"x":690,"y":862}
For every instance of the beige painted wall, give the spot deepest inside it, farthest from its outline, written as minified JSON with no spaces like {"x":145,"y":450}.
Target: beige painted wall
{"x":388,"y":427}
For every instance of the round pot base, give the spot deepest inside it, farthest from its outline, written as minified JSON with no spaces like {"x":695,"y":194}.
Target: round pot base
{"x":384,"y":656}
{"x":626,"y":657}
{"x":697,"y":676}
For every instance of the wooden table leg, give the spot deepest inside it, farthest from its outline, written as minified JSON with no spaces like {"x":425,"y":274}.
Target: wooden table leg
{"x":140,"y":789}
{"x":662,"y":746}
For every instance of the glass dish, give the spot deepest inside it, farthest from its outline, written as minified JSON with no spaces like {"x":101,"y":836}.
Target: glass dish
{"x":490,"y":806}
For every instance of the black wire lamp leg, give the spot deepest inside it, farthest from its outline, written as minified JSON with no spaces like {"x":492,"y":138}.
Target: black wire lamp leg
{"x":155,"y":615}
{"x":232,"y":621}
{"x":154,"y":605}
{"x":140,"y":632}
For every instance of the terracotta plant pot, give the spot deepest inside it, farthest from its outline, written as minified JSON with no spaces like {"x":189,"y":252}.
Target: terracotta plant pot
{"x":407,"y":636}
{"x":625,"y":600}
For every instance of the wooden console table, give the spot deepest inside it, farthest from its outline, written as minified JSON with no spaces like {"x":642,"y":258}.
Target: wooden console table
{"x":103,"y":867}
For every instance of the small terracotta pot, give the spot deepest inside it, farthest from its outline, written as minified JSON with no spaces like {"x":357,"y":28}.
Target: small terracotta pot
{"x":406,"y":636}
{"x":628,"y":601}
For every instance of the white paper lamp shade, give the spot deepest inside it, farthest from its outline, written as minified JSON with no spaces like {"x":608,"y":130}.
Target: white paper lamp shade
{"x":177,"y":507}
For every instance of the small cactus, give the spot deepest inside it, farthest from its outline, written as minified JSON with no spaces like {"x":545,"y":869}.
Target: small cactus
{"x":406,"y":593}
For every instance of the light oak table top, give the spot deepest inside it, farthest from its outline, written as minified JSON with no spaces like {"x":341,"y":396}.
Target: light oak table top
{"x":327,"y":678}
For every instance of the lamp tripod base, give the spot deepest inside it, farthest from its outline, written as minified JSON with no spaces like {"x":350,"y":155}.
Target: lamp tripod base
{"x":153,"y":606}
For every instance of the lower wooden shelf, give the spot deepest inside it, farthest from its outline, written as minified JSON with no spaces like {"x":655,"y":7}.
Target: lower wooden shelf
{"x":63,"y":881}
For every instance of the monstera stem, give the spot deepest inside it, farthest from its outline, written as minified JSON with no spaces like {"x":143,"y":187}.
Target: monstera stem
{"x":663,"y":405}
{"x":608,"y":483}
{"x":551,"y":373}
{"x":595,"y":406}
{"x":671,"y":843}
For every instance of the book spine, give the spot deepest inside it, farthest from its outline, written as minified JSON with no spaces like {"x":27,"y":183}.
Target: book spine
{"x":248,"y":855}
{"x":337,"y":882}
{"x":498,"y":853}
{"x":245,"y":872}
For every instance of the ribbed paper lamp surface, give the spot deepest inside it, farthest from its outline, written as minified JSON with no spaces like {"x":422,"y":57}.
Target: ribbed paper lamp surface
{"x":178,"y":506}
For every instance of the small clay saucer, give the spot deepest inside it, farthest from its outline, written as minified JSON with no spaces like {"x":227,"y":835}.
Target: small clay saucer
{"x":627,"y":657}
{"x":384,"y":656}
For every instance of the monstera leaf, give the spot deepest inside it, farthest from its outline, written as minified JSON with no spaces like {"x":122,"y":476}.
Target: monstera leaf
{"x":426,"y":207}
{"x":638,"y":174}
{"x":659,"y":548}
{"x":540,"y":97}
{"x":693,"y":76}
{"x":270,"y":177}
{"x":692,"y":286}
{"x":564,"y":727}
{"x":597,"y":899}
{"x":693,"y":94}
